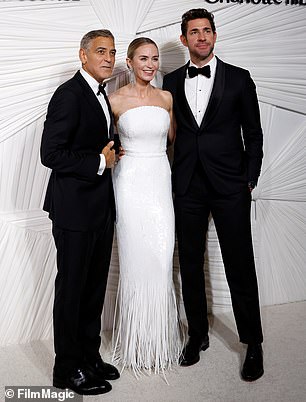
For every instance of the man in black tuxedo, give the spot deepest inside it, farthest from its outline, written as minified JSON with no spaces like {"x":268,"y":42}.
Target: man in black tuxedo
{"x":77,"y":145}
{"x":217,"y":161}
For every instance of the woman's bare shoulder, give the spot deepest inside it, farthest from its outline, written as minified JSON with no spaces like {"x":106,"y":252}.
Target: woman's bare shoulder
{"x":117,"y":95}
{"x":122,"y":100}
{"x":165,"y":97}
{"x":117,"y":100}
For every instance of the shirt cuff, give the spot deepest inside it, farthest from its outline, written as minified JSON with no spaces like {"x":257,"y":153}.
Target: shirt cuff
{"x":102,"y":165}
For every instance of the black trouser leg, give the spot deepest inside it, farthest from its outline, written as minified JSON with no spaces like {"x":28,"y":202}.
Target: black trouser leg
{"x":94,"y":292}
{"x":231,"y":215}
{"x":192,"y":214}
{"x":82,"y":262}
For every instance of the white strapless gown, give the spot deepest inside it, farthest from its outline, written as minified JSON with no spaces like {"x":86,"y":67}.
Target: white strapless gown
{"x":147,"y":334}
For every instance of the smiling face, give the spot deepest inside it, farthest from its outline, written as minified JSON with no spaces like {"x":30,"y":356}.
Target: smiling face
{"x":200,"y":40}
{"x":145,"y":62}
{"x":99,"y":58}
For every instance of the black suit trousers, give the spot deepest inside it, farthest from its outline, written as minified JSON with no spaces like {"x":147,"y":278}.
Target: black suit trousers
{"x":231,"y":214}
{"x":83,"y":260}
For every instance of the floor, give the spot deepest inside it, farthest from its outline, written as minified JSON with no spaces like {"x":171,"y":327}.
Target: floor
{"x":214,"y":379}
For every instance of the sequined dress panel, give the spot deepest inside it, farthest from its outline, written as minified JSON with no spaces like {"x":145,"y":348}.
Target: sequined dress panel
{"x":147,"y":333}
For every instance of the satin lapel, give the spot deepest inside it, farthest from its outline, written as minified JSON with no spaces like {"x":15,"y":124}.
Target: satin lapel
{"x":91,"y":98}
{"x":182,"y":100}
{"x":216,"y":94}
{"x":111,"y":128}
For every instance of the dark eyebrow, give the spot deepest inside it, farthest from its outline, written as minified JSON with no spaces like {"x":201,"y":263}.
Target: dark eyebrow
{"x":199,"y":29}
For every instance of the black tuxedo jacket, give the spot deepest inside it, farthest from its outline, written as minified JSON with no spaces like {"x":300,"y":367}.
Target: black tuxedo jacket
{"x":74,"y":135}
{"x":229,"y":140}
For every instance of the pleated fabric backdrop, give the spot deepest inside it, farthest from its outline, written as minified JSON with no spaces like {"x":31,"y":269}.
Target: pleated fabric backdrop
{"x":39,"y":42}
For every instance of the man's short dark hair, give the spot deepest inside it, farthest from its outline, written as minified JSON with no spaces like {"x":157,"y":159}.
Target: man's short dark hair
{"x":194,"y":14}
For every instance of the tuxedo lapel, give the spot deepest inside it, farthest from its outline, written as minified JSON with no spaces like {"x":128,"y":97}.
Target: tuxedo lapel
{"x":111,"y":128}
{"x":92,"y":99}
{"x":182,"y":100}
{"x":216,"y":94}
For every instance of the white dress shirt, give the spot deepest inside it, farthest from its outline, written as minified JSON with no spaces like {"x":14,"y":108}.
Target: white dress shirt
{"x":94,"y":85}
{"x":198,"y":90}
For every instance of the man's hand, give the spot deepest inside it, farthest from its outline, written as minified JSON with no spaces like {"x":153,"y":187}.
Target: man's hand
{"x":109,"y":154}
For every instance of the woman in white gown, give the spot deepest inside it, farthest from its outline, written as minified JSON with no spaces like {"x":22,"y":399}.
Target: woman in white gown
{"x":148,"y":335}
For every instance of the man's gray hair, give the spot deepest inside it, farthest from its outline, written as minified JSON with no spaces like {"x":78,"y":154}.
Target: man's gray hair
{"x":87,"y":38}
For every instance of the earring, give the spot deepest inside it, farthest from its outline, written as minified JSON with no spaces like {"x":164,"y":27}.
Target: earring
{"x":131,"y":75}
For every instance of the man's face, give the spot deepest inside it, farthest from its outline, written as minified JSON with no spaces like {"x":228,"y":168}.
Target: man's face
{"x":200,"y":40}
{"x":99,"y":59}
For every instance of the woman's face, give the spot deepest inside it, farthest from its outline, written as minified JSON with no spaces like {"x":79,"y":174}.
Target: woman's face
{"x":145,"y":62}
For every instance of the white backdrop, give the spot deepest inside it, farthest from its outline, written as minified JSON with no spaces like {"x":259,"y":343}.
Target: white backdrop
{"x":39,"y":43}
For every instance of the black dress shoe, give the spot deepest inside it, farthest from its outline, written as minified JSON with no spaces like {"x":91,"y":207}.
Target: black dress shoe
{"x":103,"y":370}
{"x":191,"y":352}
{"x":82,"y":382}
{"x":253,"y":364}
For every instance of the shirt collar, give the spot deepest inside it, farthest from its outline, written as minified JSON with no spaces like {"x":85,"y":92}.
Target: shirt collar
{"x":94,"y":84}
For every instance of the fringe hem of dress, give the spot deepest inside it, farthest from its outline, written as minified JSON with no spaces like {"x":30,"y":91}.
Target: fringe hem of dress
{"x":148,"y":336}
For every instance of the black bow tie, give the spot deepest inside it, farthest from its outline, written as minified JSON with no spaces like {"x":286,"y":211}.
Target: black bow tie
{"x":101,"y":90}
{"x":193,"y":71}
